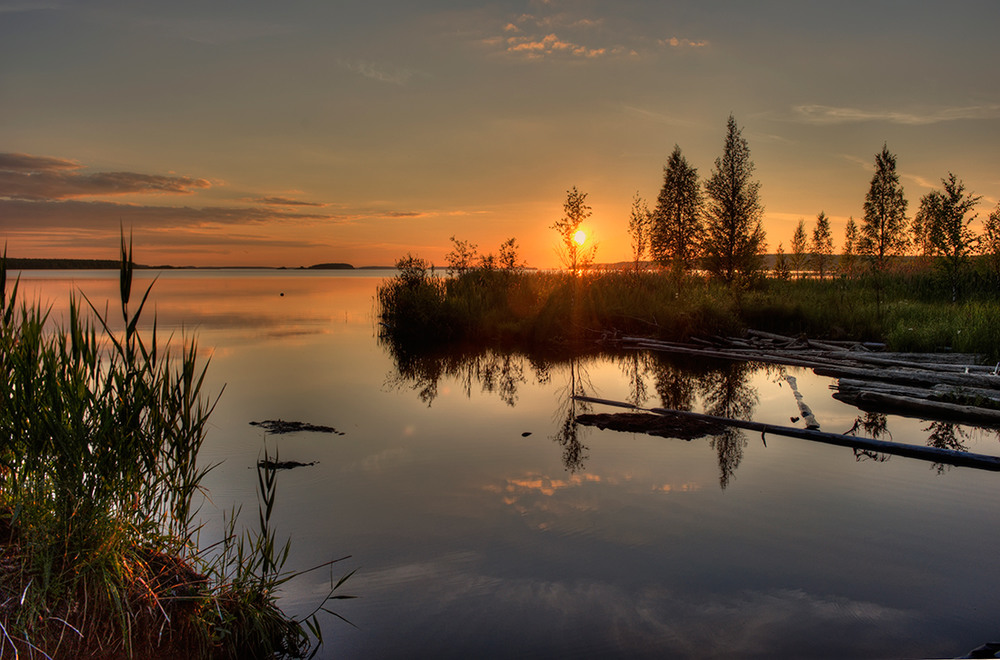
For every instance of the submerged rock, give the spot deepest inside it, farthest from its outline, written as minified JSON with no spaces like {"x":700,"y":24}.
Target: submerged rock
{"x":279,"y":426}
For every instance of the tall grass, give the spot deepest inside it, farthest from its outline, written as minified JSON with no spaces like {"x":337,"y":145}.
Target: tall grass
{"x":908,"y":310}
{"x":99,"y":438}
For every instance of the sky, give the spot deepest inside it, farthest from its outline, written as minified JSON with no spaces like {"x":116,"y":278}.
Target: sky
{"x":311,"y":131}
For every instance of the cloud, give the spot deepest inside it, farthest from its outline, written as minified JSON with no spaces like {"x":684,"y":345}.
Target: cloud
{"x":534,"y":47}
{"x":27,"y":163}
{"x":23,"y":176}
{"x":674,"y":42}
{"x":284,"y":201}
{"x":825,"y":114}
{"x":382,"y":72}
{"x":21,"y":214}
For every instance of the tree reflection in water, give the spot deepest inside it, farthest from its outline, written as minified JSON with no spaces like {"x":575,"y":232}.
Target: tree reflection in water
{"x":727,"y":392}
{"x":495,"y":373}
{"x":946,"y":435}
{"x":567,"y":434}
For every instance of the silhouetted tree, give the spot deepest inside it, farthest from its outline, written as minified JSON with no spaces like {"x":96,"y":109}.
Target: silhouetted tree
{"x":781,"y":270}
{"x":575,"y":211}
{"x":951,"y":238}
{"x":883,"y":231}
{"x":822,"y":245}
{"x":798,"y":255}
{"x":462,"y":257}
{"x":989,"y":243}
{"x":677,"y":232}
{"x":734,"y":237}
{"x":849,"y":255}
{"x":509,"y":260}
{"x":639,"y":225}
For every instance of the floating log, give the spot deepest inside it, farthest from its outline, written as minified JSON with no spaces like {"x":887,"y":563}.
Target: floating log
{"x":932,"y":454}
{"x":804,"y":411}
{"x":916,"y":377}
{"x":922,"y":408}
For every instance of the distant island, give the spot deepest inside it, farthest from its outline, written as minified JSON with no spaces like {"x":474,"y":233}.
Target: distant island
{"x":334,"y":266}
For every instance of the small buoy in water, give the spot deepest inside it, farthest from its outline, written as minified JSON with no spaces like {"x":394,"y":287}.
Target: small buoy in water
{"x":282,"y":294}
{"x":526,"y":434}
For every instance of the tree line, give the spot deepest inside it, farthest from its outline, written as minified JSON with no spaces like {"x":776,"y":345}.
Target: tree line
{"x":716,"y":224}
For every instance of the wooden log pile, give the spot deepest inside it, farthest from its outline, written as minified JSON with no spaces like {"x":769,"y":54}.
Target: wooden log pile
{"x":952,"y":387}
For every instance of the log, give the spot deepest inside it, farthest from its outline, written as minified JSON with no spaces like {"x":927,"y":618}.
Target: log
{"x":929,"y":409}
{"x":932,"y":454}
{"x":804,"y":410}
{"x":911,"y":376}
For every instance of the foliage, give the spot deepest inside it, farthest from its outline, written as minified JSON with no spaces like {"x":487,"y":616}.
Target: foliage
{"x":950,"y":236}
{"x":989,"y":242}
{"x":411,"y":303}
{"x":677,"y":228}
{"x":462,"y":257}
{"x":509,"y":260}
{"x":575,"y":210}
{"x":554,"y":311}
{"x":849,"y":255}
{"x":798,"y":256}
{"x":822,"y":245}
{"x":639,"y":226}
{"x":883,"y":230}
{"x":98,"y":474}
{"x":781,"y":270}
{"x":734,"y":239}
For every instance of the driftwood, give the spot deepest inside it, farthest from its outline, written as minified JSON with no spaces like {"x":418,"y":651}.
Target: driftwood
{"x":946,"y":386}
{"x":268,"y":464}
{"x":933,"y":454}
{"x":923,"y":408}
{"x":661,"y":425}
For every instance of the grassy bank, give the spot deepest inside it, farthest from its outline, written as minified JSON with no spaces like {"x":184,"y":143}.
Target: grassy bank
{"x":99,"y":439}
{"x":907,"y":311}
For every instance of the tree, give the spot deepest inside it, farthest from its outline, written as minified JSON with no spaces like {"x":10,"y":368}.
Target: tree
{"x":509,"y":260}
{"x":576,"y":211}
{"x":883,"y":228}
{"x":989,"y":243}
{"x":781,"y":270}
{"x":639,"y":224}
{"x":822,"y":245}
{"x":462,"y":258}
{"x":798,"y":248}
{"x":950,"y":237}
{"x":849,"y":255}
{"x":734,"y":237}
{"x":676,"y":235}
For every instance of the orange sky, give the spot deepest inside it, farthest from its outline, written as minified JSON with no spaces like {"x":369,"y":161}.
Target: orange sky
{"x":295,"y":134}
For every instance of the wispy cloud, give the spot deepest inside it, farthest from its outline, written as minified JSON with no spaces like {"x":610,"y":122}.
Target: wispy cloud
{"x":825,"y":114}
{"x":538,"y":36}
{"x":382,"y":72}
{"x":284,"y":201}
{"x":23,"y":176}
{"x":675,"y":42}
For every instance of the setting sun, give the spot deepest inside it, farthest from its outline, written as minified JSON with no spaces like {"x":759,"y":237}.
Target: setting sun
{"x":580,"y":237}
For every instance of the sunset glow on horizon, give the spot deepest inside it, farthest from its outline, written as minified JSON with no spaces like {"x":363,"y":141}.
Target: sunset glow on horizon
{"x":289,"y":135}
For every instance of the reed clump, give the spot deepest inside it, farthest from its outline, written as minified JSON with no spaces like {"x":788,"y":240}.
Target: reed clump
{"x":908,"y":310}
{"x":99,"y":437}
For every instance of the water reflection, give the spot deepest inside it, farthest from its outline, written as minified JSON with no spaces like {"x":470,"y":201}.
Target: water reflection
{"x":568,"y":433}
{"x":493,"y":372}
{"x":728,"y":393}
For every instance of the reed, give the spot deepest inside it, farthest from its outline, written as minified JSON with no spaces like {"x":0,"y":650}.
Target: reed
{"x":99,"y":438}
{"x":546,"y":309}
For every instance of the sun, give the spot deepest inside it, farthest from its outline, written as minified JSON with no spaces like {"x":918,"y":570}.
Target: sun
{"x":580,"y":237}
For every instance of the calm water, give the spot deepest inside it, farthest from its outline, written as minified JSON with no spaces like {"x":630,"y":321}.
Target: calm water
{"x":482,"y":524}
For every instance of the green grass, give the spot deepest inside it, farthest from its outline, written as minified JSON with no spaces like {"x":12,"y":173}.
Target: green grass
{"x":99,"y":438}
{"x":532,"y":310}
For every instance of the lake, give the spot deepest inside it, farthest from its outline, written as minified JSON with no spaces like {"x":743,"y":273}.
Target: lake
{"x":484,"y":523}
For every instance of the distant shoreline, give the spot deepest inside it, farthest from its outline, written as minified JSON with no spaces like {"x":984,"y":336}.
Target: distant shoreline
{"x":114,"y":264}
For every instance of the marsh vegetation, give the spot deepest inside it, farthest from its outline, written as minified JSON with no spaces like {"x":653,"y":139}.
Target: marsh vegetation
{"x":99,"y":485}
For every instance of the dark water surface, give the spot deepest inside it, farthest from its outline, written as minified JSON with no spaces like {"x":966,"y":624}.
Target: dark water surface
{"x":473,"y":539}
